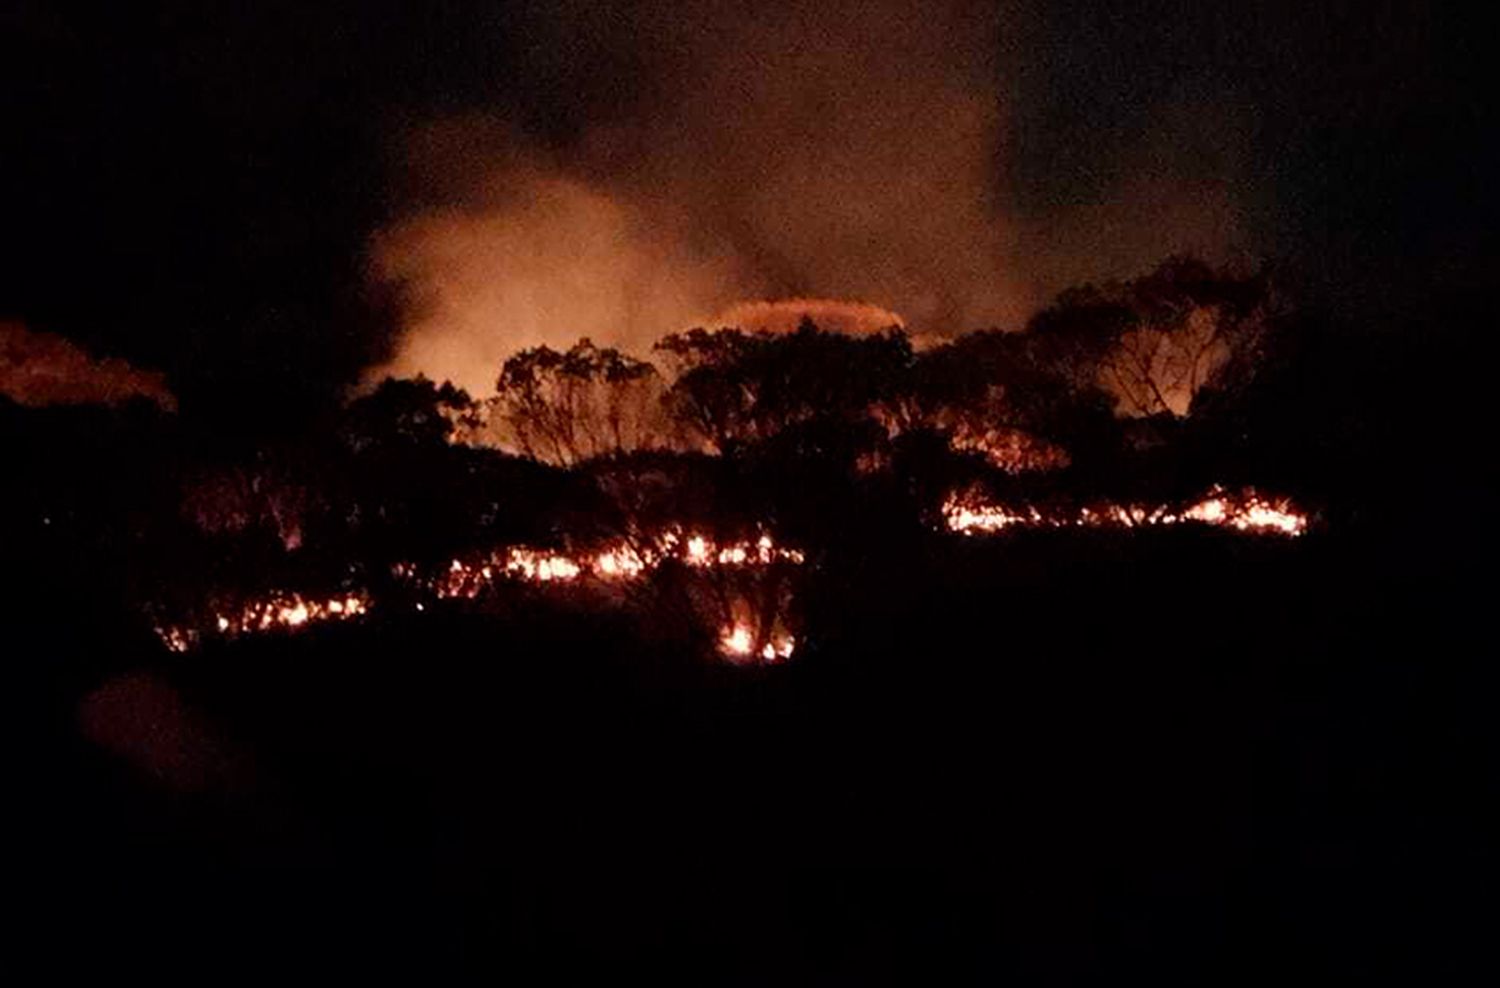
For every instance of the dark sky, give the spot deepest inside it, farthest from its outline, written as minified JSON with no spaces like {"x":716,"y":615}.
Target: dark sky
{"x":194,"y":185}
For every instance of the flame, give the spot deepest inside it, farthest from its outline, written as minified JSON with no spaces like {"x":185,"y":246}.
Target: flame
{"x":277,"y":610}
{"x":538,"y":567}
{"x":744,"y":639}
{"x":462,"y":579}
{"x":1246,"y":511}
{"x":619,"y":561}
{"x":737,"y":643}
{"x":1011,"y":450}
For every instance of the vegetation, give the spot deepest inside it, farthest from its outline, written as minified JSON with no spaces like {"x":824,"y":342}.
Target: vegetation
{"x":1088,"y":711}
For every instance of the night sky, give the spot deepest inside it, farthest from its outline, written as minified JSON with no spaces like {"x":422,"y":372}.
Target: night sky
{"x":195,"y":186}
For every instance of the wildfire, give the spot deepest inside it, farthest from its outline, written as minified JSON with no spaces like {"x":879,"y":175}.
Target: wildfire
{"x":618,"y":562}
{"x":278,"y":610}
{"x":784,"y":315}
{"x":1011,"y":450}
{"x":737,"y":643}
{"x":1246,"y":511}
{"x":744,"y":638}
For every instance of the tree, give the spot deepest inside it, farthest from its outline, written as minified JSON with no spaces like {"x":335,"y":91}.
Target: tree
{"x":406,"y":412}
{"x":264,"y":495}
{"x":406,"y":490}
{"x":1156,"y":343}
{"x":564,"y":408}
{"x":734,"y":387}
{"x":1016,"y":398}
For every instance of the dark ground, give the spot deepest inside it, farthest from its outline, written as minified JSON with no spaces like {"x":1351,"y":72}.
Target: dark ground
{"x":1174,"y":758}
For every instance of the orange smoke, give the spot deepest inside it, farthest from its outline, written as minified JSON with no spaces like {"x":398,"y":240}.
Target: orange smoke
{"x":846,"y":148}
{"x":839,"y":149}
{"x":970,"y":513}
{"x":533,"y":258}
{"x":831,"y":314}
{"x":38,"y":369}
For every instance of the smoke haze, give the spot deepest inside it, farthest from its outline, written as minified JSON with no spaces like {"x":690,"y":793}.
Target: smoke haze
{"x":662,"y":163}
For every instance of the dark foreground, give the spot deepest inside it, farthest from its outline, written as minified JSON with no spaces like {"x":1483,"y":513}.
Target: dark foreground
{"x":1179,"y":758}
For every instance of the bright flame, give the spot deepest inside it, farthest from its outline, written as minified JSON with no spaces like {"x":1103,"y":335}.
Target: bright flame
{"x":277,"y":610}
{"x":737,"y":643}
{"x":966,"y":513}
{"x":1011,"y":450}
{"x":467,"y":579}
{"x":1245,"y":512}
{"x":616,"y":562}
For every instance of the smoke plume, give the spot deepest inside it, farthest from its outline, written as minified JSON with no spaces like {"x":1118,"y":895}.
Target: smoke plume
{"x":648,"y":168}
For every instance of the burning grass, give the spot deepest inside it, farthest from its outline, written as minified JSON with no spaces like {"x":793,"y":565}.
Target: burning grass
{"x":741,"y":595}
{"x":1245,"y":511}
{"x":612,"y":565}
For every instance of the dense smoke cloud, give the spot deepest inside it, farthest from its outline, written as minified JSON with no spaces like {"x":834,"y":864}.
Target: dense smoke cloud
{"x":655,"y":165}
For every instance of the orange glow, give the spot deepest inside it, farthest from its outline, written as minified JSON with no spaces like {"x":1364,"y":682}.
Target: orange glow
{"x":831,"y":314}
{"x":1247,"y":511}
{"x":275,"y":611}
{"x":737,"y":641}
{"x":467,"y":579}
{"x":746,"y":637}
{"x":737,"y":644}
{"x":39,"y":369}
{"x":611,"y":563}
{"x":1010,"y":450}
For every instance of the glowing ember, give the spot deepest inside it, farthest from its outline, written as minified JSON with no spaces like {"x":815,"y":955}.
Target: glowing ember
{"x":467,"y":579}
{"x":1245,"y":512}
{"x":617,"y":562}
{"x":1250,"y":515}
{"x":39,"y":369}
{"x":969,"y":517}
{"x":738,"y":644}
{"x":540,"y":567}
{"x":1010,"y":450}
{"x":738,"y":641}
{"x":744,"y":639}
{"x":276,"y":611}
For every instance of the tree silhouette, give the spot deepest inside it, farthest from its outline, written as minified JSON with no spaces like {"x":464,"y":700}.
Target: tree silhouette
{"x":564,"y":408}
{"x":1019,"y":399}
{"x":408,"y":412}
{"x":1155,"y":343}
{"x":734,"y":387}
